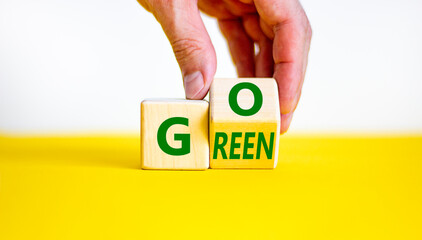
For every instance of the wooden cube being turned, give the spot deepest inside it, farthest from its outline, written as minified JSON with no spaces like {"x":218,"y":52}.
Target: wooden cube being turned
{"x":244,"y":123}
{"x":174,"y":134}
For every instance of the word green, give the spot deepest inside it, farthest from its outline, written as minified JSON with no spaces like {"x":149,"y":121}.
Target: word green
{"x":184,"y":138}
{"x":261,"y":143}
{"x":257,"y":99}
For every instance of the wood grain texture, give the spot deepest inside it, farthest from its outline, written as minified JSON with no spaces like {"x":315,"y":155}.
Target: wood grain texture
{"x":154,"y":113}
{"x":242,"y":132}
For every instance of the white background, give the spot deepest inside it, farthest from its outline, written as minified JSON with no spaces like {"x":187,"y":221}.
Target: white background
{"x":85,"y":65}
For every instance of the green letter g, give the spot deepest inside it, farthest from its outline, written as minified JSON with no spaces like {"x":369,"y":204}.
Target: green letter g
{"x":184,"y":138}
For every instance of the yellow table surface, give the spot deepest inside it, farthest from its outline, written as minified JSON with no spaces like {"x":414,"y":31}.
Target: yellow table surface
{"x":325,"y":187}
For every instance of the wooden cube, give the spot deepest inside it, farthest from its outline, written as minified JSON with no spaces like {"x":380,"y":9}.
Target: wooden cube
{"x":174,"y":134}
{"x":244,"y":123}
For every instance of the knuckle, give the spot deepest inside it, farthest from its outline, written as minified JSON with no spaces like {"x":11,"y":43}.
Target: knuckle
{"x":187,"y":48}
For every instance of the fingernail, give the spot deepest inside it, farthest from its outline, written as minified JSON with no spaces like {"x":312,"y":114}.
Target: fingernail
{"x":194,"y":83}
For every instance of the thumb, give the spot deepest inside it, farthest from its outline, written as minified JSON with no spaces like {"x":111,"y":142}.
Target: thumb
{"x":191,"y":43}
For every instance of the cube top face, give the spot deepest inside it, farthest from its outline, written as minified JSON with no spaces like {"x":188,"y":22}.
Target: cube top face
{"x":244,"y":100}
{"x":244,"y":123}
{"x":174,"y":134}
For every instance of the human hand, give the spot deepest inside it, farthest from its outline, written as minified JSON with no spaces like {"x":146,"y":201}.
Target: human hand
{"x":279,"y":28}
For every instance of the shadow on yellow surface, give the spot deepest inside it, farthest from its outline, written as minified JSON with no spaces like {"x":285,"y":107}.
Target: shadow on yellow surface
{"x":325,"y":187}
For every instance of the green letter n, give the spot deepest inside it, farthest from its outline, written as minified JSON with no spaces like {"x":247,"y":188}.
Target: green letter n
{"x":268,"y":149}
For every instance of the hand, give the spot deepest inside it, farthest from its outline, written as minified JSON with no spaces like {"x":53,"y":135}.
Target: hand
{"x":279,"y":28}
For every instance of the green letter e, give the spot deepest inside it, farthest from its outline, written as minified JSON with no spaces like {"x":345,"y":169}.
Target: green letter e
{"x":184,"y":138}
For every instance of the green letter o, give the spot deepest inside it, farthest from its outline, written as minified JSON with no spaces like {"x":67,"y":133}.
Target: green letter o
{"x":257,"y":96}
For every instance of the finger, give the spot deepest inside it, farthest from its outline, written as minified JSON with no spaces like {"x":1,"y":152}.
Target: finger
{"x":191,"y":44}
{"x":285,"y":120}
{"x":290,"y":56}
{"x":145,"y":5}
{"x":267,"y":29}
{"x":239,"y":8}
{"x":215,"y":8}
{"x":240,"y":45}
{"x":292,"y":35}
{"x":264,"y":64}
